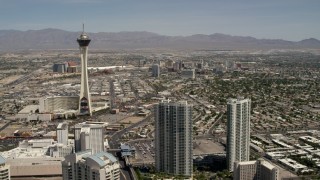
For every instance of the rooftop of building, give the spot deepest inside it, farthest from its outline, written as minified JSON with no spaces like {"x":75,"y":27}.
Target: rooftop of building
{"x":267,"y":164}
{"x":310,"y":139}
{"x":60,"y":63}
{"x":237,"y":100}
{"x":126,"y":150}
{"x":102,"y":158}
{"x":80,"y":153}
{"x":54,"y":96}
{"x":72,"y":63}
{"x":187,"y":70}
{"x":125,"y":147}
{"x":62,"y":126}
{"x":39,"y":141}
{"x":292,"y":163}
{"x":35,"y":161}
{"x":247,"y":162}
{"x":168,"y":101}
{"x":29,"y":109}
{"x":35,"y":148}
{"x":35,"y":167}
{"x":91,"y":124}
{"x":25,"y":153}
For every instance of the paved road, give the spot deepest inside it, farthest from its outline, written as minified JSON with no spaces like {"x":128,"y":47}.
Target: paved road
{"x":23,"y":78}
{"x":218,"y":120}
{"x":5,"y":126}
{"x":124,"y":171}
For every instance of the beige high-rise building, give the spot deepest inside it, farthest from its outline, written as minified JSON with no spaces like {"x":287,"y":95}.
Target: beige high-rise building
{"x":4,"y":169}
{"x":86,"y":165}
{"x":238,"y":131}
{"x":255,"y":170}
{"x":173,"y":138}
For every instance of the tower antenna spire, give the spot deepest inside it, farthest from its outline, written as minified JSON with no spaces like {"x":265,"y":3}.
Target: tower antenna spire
{"x":82,"y":27}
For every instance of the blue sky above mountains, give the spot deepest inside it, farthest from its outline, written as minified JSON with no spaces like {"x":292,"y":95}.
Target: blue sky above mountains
{"x":273,"y":19}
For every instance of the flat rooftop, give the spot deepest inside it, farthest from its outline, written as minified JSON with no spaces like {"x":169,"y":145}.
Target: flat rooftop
{"x":28,"y":109}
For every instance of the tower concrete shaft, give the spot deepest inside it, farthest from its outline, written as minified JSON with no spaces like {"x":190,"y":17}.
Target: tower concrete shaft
{"x":85,"y":101}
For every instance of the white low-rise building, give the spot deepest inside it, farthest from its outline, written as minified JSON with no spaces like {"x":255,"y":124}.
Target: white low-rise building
{"x":292,"y":164}
{"x":309,"y":139}
{"x":282,"y":144}
{"x":275,"y":155}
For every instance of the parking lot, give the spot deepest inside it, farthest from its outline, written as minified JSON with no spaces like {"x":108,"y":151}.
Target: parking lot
{"x":145,"y":151}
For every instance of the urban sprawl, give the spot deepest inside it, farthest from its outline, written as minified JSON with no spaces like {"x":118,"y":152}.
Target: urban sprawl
{"x":159,"y":114}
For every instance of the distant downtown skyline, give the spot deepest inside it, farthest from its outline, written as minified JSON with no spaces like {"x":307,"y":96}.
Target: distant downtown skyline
{"x":286,"y":19}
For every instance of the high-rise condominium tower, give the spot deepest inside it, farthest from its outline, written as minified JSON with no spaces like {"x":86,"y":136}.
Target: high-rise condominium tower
{"x":238,"y":131}
{"x":85,"y":103}
{"x":173,"y":138}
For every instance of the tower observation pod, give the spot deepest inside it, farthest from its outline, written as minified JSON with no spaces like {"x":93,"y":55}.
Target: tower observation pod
{"x":84,"y":102}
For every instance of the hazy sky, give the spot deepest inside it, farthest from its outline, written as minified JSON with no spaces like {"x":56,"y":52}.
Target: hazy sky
{"x":285,"y":19}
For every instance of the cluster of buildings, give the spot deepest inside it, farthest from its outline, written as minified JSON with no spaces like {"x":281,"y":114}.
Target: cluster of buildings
{"x":64,"y":157}
{"x":90,"y":159}
{"x":82,"y":158}
{"x":288,"y":150}
{"x":185,"y":71}
{"x":85,"y":157}
{"x":66,"y":67}
{"x":63,"y":107}
{"x":173,"y":141}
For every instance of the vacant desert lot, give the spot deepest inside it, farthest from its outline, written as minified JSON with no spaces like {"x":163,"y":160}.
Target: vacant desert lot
{"x":9,"y":79}
{"x":132,"y":120}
